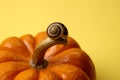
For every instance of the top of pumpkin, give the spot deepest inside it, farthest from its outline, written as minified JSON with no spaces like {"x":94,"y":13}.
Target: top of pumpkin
{"x":50,"y":55}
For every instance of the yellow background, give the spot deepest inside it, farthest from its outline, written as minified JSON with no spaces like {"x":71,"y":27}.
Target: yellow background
{"x":95,"y":24}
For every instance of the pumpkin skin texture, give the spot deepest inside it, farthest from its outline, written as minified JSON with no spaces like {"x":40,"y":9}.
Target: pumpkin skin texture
{"x":67,"y":62}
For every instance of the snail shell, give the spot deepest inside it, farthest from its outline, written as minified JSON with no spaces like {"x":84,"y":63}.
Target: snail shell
{"x":57,"y":30}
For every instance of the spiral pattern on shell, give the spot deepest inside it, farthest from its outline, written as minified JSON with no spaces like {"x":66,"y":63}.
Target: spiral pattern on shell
{"x":57,"y":30}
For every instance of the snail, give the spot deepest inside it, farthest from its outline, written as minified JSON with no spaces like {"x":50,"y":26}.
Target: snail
{"x":57,"y":34}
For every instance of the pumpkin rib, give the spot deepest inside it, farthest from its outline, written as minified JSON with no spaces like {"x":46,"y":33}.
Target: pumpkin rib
{"x":40,"y":37}
{"x":76,"y":57}
{"x":46,"y":74}
{"x":29,"y":74}
{"x":6,"y":56}
{"x":8,"y":70}
{"x":68,"y":72}
{"x":29,"y":42}
{"x":15,"y":44}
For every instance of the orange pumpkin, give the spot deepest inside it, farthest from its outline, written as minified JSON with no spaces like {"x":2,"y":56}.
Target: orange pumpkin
{"x":45,"y":57}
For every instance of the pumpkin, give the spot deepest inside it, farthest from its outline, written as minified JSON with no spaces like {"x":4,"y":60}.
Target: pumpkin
{"x":50,"y":55}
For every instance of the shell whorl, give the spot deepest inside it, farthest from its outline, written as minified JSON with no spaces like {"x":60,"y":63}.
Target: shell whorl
{"x":57,"y":30}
